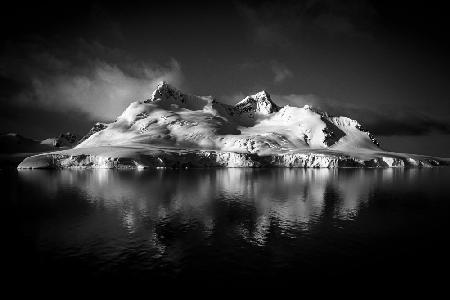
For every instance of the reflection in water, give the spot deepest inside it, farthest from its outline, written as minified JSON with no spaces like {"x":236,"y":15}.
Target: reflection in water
{"x":290,"y":198}
{"x":246,"y":222}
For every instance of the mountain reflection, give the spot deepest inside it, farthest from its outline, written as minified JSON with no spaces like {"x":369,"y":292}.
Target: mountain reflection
{"x":246,"y":204}
{"x":226,"y":225}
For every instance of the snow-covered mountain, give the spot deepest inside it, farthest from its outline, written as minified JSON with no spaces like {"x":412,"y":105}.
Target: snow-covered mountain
{"x":172,"y":128}
{"x":254,"y":125}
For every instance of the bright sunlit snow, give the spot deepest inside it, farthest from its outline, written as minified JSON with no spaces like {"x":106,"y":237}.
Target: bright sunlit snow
{"x":173,"y":129}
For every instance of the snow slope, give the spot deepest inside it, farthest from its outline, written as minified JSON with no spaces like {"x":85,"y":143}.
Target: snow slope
{"x":172,"y":129}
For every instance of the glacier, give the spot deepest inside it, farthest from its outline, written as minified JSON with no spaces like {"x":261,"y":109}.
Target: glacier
{"x":172,"y":129}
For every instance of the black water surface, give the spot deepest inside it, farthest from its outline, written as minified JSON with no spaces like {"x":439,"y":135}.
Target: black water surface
{"x":236,"y":227}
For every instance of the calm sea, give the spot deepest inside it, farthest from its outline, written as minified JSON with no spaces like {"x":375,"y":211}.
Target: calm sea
{"x":227,"y":227}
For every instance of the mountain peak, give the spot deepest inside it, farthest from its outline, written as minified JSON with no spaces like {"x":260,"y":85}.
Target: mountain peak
{"x":163,"y":91}
{"x":259,"y":102}
{"x":163,"y":85}
{"x":262,"y":94}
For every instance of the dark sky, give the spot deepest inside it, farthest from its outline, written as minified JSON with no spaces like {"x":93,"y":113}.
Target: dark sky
{"x":64,"y":66}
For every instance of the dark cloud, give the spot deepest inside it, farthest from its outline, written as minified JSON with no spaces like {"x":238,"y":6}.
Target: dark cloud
{"x":281,"y":72}
{"x":277,"y":71}
{"x":85,"y":77}
{"x":384,"y":63}
{"x":286,"y":23}
{"x":264,"y":28}
{"x":41,"y":123}
{"x":406,"y":123}
{"x":351,"y":17}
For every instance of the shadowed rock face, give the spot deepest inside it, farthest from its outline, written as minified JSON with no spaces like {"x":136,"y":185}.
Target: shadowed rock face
{"x":332,"y":133}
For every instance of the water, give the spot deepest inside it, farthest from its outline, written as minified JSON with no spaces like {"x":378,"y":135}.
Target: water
{"x":226,"y":226}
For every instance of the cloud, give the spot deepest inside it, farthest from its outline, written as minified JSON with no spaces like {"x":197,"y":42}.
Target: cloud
{"x":275,"y":71}
{"x":285,"y":24}
{"x":335,"y":25}
{"x":281,"y":72}
{"x":263,"y":28}
{"x":102,"y":91}
{"x":407,"y":123}
{"x":83,"y":82}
